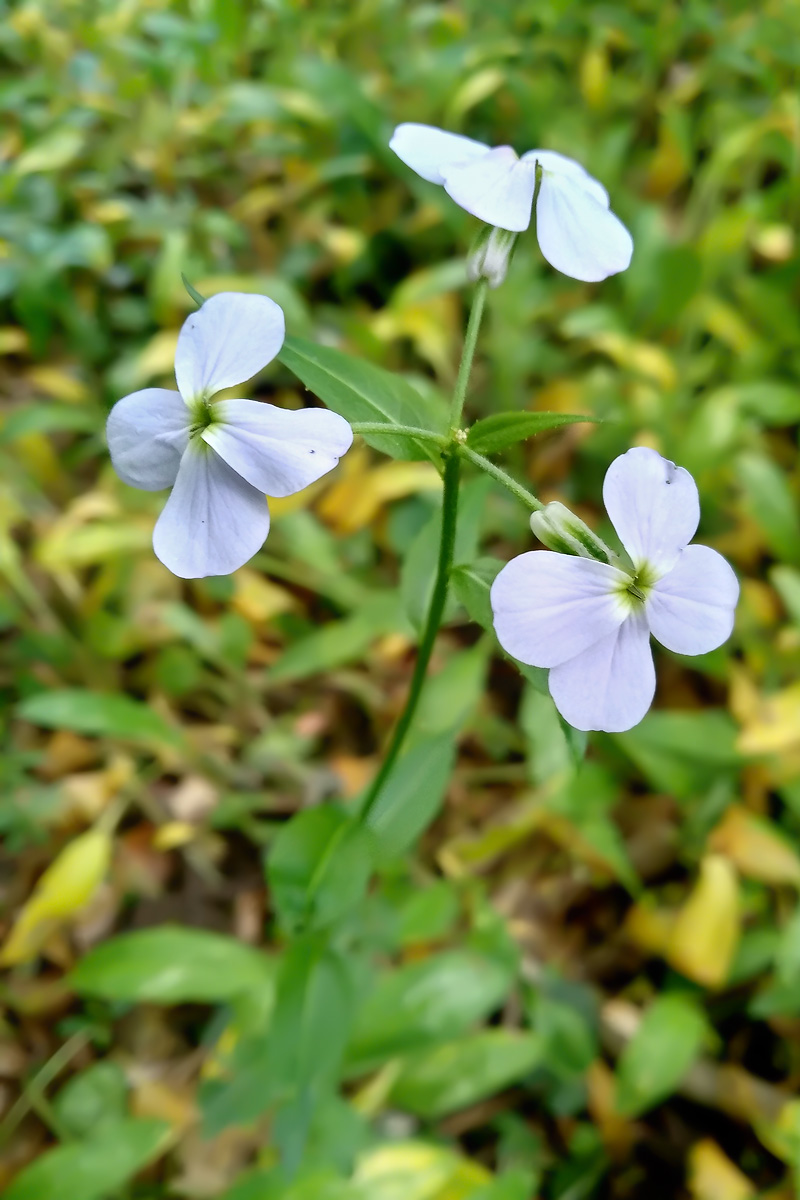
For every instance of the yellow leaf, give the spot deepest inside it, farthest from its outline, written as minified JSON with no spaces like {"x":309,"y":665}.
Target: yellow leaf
{"x":174,"y":834}
{"x":353,"y":502}
{"x":419,"y":1171}
{"x":13,"y":340}
{"x":593,"y":76}
{"x":644,"y":358}
{"x":63,"y":890}
{"x":703,"y":939}
{"x":258,"y":599}
{"x":755,"y":847}
{"x":157,"y":358}
{"x":650,"y":927}
{"x":712,"y":1175}
{"x":52,"y":152}
{"x":669,"y":165}
{"x":474,"y":91}
{"x":775,"y":725}
{"x":59,"y":383}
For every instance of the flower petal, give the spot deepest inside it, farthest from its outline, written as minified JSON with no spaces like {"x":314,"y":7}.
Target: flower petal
{"x":559,"y":164}
{"x":427,"y":149}
{"x":147,"y":433}
{"x":213,"y":521}
{"x":549,"y":607}
{"x":227,"y":341}
{"x":497,"y":188}
{"x":578,"y":234}
{"x":653,"y":505}
{"x":277,"y":450}
{"x":691,"y":609}
{"x":611,"y":685}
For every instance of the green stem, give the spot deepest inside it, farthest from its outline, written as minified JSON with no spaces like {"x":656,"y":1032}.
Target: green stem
{"x":470,"y":342}
{"x":500,"y":475}
{"x":446,"y":544}
{"x":425,"y":435}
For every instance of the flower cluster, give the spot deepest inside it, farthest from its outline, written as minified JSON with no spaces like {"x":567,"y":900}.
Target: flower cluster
{"x":221,"y":458}
{"x":577,"y":608}
{"x":590,"y":621}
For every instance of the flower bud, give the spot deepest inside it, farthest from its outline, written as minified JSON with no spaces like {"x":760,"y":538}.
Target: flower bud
{"x":561,"y":530}
{"x":490,"y":255}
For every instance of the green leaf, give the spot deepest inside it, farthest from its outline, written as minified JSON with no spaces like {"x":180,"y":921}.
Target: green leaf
{"x":458,"y":1074}
{"x":472,"y":583}
{"x":683,"y":752}
{"x":660,"y":1053}
{"x":319,"y":867}
{"x":193,"y":292}
{"x":771,"y":504}
{"x":504,"y":429}
{"x":360,"y":391}
{"x":412,"y":795}
{"x":93,"y":1169}
{"x":92,"y":1099}
{"x":339,"y":642}
{"x":424,"y":1002}
{"x":172,"y":965}
{"x":48,"y":418}
{"x":99,"y":715}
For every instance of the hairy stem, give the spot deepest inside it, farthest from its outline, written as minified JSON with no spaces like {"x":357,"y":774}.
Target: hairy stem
{"x":438,"y":598}
{"x":468,"y":353}
{"x":500,"y":475}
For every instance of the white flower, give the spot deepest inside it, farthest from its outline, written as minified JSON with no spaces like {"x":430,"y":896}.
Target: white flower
{"x":221,"y":458}
{"x":578,"y":234}
{"x":590,"y":622}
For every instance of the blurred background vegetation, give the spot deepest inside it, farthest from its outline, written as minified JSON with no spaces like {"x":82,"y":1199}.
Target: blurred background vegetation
{"x":583,"y":980}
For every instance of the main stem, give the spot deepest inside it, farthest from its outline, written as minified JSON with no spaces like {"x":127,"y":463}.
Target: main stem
{"x":452,"y":472}
{"x":452,"y":468}
{"x":467,"y":355}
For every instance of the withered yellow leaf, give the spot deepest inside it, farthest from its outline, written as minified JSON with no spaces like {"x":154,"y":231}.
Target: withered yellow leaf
{"x":774,"y":726}
{"x":354,"y":501}
{"x":712,"y":1175}
{"x":705,"y":934}
{"x":258,"y":599}
{"x":63,"y":890}
{"x":755,"y":847}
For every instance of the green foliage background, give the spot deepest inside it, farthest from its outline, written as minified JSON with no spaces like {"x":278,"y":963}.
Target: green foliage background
{"x":584,"y":979}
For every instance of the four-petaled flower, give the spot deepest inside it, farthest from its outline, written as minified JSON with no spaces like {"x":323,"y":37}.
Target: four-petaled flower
{"x":578,"y":234}
{"x":590,"y":622}
{"x":220,"y":458}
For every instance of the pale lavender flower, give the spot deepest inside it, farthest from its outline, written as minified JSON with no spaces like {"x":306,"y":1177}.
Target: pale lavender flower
{"x":590,"y":621}
{"x":221,"y":458}
{"x":578,"y":234}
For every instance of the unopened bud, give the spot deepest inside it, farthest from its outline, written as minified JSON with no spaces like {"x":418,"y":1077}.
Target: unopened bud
{"x":561,"y":530}
{"x":490,"y":255}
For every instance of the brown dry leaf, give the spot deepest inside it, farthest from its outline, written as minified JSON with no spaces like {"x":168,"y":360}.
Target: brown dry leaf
{"x":706,"y":932}
{"x":712,"y":1175}
{"x":164,"y":1101}
{"x":65,"y":753}
{"x":755,"y":847}
{"x":618,"y":1134}
{"x":87,"y":793}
